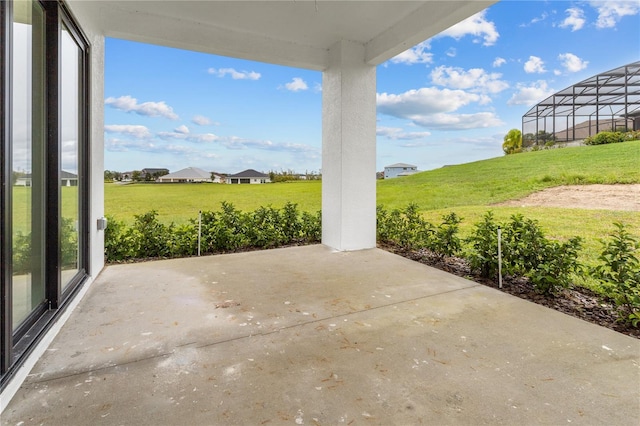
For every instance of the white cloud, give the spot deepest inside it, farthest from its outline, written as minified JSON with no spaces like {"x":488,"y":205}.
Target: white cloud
{"x":432,"y":107}
{"x":296,"y":85}
{"x":459,"y":121}
{"x":426,"y":100}
{"x":416,"y":55}
{"x":182,"y":130}
{"x":236,"y":75}
{"x":476,"y":25}
{"x":235,"y":142}
{"x":204,"y":138}
{"x":137,"y":131}
{"x":476,"y":79}
{"x":575,"y":20}
{"x":119,"y":145}
{"x":540,"y":18}
{"x":498,"y":62}
{"x":149,"y":109}
{"x":397,"y":133}
{"x":531,"y":94}
{"x":572,"y":63}
{"x":194,"y":154}
{"x":69,"y":155}
{"x":201,"y":120}
{"x":534,"y":65}
{"x":611,"y":12}
{"x":451,"y":52}
{"x":182,"y":133}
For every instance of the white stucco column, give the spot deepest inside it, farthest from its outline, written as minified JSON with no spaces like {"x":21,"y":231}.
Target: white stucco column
{"x":349,"y":149}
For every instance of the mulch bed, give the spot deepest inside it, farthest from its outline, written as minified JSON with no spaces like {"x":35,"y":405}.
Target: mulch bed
{"x":578,"y":302}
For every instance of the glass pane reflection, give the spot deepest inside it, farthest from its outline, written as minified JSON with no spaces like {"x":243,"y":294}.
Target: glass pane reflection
{"x":27,"y":159}
{"x":70,"y":119}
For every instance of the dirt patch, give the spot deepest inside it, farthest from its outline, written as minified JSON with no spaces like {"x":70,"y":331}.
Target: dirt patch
{"x":595,"y":197}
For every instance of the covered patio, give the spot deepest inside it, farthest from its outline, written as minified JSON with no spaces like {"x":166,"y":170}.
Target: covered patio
{"x":310,"y":335}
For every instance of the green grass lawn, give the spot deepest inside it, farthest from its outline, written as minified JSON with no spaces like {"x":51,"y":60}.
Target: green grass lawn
{"x":22,"y":206}
{"x":467,"y":189}
{"x":480,"y":183}
{"x":514,"y":176}
{"x":180,"y":202}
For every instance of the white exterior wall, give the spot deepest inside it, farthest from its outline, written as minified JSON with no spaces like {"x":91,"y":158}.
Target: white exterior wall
{"x":97,"y":150}
{"x":96,"y":134}
{"x":349,"y":149}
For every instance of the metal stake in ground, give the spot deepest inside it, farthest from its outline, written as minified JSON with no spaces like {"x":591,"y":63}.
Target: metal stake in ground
{"x":499,"y":257}
{"x":199,"y":229}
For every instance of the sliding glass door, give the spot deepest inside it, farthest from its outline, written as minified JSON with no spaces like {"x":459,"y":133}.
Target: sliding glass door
{"x":27,"y":148}
{"x":44,"y":168}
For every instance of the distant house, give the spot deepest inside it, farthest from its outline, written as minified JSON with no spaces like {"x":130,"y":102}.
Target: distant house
{"x":248,"y":176}
{"x":152,"y":174}
{"x":216,"y":178}
{"x":68,"y":179}
{"x":23,"y":180}
{"x":188,"y":175}
{"x":399,"y":169}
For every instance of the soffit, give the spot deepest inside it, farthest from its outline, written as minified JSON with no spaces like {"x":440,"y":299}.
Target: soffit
{"x":295,"y":33}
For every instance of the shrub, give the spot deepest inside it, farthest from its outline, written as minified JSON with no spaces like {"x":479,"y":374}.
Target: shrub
{"x":483,"y":255}
{"x":289,"y":223}
{"x":119,"y":241}
{"x":405,"y":228}
{"x":311,"y":227}
{"x":603,"y":138}
{"x":265,"y":228}
{"x":522,"y":245}
{"x":620,"y":272}
{"x":22,"y":256}
{"x":183,"y":240}
{"x":152,"y":236}
{"x":526,"y":252}
{"x":228,"y":232}
{"x":558,"y":261}
{"x":68,"y":244}
{"x":445,"y":240}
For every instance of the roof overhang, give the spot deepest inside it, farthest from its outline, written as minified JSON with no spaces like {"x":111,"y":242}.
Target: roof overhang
{"x":295,"y":33}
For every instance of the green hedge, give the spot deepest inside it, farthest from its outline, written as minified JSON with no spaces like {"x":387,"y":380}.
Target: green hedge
{"x":224,"y":231}
{"x":526,"y":251}
{"x":603,"y":138}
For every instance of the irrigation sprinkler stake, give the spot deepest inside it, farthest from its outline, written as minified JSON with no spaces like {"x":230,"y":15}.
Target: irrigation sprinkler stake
{"x":199,"y":230}
{"x":499,"y":257}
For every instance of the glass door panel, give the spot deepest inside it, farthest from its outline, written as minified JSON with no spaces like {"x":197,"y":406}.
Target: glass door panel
{"x":70,"y":173}
{"x":27,"y":160}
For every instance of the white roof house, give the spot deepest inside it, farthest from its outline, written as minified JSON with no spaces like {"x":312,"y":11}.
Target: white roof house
{"x":188,"y":175}
{"x":248,"y":176}
{"x":344,"y":40}
{"x":399,"y":169}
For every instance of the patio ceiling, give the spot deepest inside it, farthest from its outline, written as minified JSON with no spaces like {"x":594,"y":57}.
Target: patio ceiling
{"x":293,"y":33}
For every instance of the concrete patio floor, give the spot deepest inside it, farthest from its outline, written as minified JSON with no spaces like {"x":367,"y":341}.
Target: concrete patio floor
{"x":306,"y":335}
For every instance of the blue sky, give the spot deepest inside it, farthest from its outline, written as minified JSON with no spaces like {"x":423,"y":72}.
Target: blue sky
{"x":448,"y":100}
